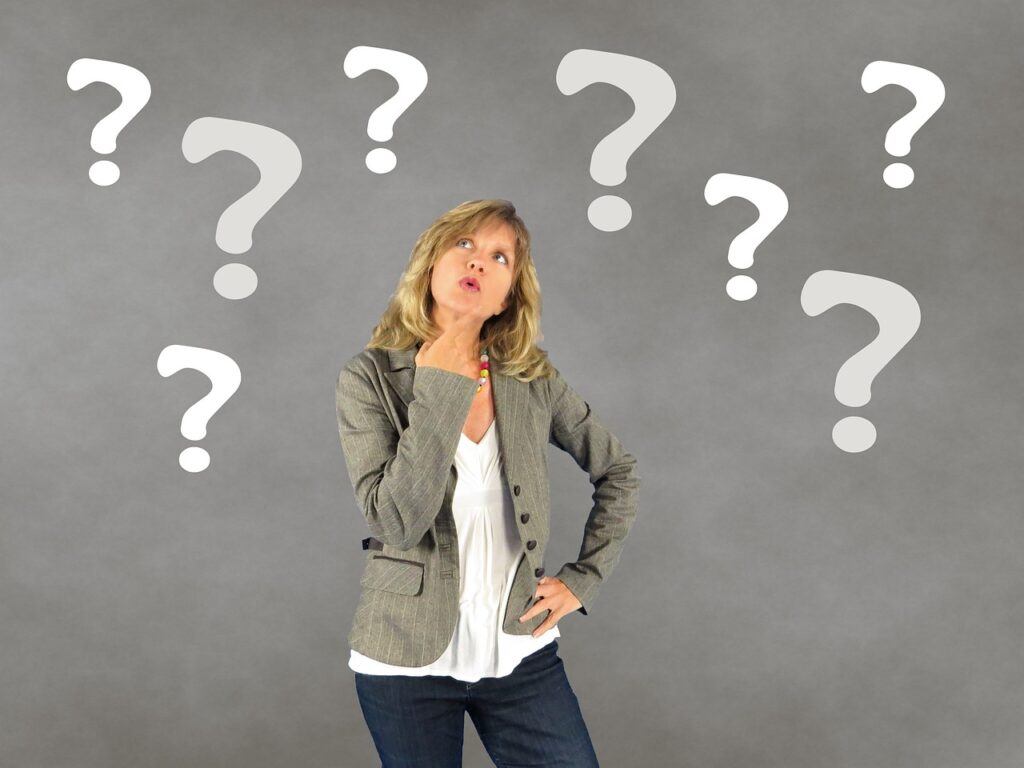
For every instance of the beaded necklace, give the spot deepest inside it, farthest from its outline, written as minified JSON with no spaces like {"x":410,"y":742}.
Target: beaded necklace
{"x":484,"y":370}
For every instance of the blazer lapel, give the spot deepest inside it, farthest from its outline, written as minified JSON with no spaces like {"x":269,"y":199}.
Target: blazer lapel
{"x":511,"y":398}
{"x":402,"y":363}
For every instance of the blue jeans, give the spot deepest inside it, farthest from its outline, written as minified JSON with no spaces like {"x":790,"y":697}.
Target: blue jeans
{"x":528,"y":717}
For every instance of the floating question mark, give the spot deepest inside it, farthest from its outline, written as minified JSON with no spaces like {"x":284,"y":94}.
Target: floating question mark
{"x":653,"y":94}
{"x":225,"y":377}
{"x":898,"y":315}
{"x":135,"y":91}
{"x":411,"y":76}
{"x":929,"y":91}
{"x":279,"y":162}
{"x":772,"y":206}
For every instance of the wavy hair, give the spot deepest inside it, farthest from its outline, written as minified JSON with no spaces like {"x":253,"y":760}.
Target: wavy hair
{"x":510,"y":337}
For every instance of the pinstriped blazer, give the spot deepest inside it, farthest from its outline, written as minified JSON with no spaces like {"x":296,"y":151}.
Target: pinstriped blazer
{"x":400,"y":425}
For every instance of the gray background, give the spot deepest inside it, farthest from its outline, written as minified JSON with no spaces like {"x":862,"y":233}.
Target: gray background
{"x":779,"y":602}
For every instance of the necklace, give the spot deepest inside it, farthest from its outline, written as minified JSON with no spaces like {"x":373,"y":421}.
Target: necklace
{"x":484,"y":370}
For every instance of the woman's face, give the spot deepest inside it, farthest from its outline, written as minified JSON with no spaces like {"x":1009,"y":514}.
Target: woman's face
{"x":488,"y":255}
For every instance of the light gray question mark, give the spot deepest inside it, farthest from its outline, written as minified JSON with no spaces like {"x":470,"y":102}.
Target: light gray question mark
{"x":653,"y":94}
{"x":929,"y":91}
{"x":898,"y":315}
{"x":411,"y":76}
{"x":279,"y":162}
{"x":135,"y":91}
{"x":225,"y":378}
{"x":772,"y":206}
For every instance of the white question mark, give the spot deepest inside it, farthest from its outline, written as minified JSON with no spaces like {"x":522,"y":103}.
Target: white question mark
{"x":279,"y":162}
{"x":135,"y":91}
{"x":929,"y":91}
{"x":225,"y":377}
{"x":653,"y":94}
{"x":898,"y":315}
{"x":411,"y":76}
{"x":772,"y":206}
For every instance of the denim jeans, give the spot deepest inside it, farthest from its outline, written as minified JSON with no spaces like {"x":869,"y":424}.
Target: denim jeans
{"x":530,"y":717}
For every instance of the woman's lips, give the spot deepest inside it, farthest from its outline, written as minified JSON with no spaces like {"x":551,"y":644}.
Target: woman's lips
{"x":469,"y":285}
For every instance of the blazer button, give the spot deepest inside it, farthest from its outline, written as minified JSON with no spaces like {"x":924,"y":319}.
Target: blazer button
{"x":531,"y":544}
{"x":515,"y":490}
{"x":539,"y":572}
{"x":525,"y":517}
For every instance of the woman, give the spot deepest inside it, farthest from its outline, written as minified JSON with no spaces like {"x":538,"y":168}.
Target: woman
{"x":445,"y":418}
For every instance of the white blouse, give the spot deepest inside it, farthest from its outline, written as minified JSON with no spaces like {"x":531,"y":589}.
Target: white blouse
{"x":489,"y":553}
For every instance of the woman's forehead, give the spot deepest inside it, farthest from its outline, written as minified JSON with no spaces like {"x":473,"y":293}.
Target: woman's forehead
{"x":499,"y":230}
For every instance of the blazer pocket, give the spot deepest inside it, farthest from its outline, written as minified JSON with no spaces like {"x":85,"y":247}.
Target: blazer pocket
{"x":392,"y":574}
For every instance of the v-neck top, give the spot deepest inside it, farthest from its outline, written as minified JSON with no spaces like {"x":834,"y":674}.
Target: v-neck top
{"x":480,"y":444}
{"x":490,"y":550}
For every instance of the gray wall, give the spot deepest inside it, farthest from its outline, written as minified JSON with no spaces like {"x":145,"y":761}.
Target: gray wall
{"x":780,"y":602}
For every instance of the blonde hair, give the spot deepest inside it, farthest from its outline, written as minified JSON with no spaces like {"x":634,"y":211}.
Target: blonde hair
{"x":510,"y":337}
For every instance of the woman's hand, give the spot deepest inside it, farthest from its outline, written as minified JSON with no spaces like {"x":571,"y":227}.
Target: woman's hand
{"x":554,"y":597}
{"x":457,"y":349}
{"x":449,"y":356}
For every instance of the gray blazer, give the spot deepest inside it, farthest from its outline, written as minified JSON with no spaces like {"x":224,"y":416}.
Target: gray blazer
{"x":400,"y":426}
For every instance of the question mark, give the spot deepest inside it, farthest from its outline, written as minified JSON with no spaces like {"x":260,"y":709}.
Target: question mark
{"x":653,"y":94}
{"x":135,"y":91}
{"x":279,"y":162}
{"x":898,"y":315}
{"x":224,"y":376}
{"x":411,"y":76}
{"x":772,"y":206}
{"x":929,"y":91}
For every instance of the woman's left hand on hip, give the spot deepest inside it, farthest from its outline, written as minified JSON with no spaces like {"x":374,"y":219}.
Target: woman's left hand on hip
{"x":553,"y":596}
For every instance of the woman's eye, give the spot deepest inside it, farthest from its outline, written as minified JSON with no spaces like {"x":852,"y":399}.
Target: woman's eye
{"x":467,"y":240}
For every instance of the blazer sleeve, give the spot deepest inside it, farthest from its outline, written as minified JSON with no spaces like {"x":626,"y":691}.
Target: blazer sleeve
{"x":612,"y":471}
{"x":400,"y":481}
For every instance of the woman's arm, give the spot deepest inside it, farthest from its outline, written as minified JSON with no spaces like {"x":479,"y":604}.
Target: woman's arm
{"x":400,"y":482}
{"x":612,"y":471}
